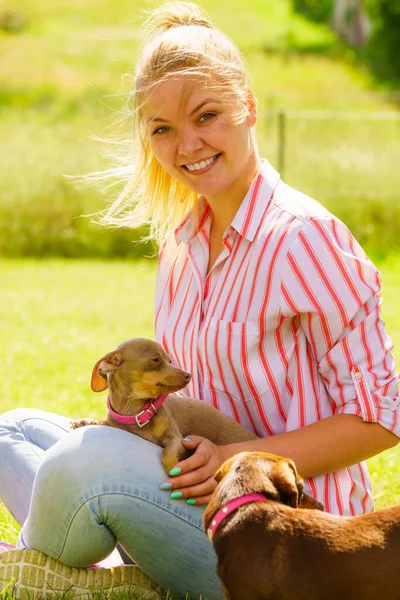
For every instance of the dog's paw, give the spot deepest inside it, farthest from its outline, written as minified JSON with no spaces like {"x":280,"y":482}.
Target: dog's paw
{"x":82,"y":423}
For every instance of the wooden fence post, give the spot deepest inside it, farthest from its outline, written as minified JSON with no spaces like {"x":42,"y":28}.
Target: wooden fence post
{"x":281,"y":140}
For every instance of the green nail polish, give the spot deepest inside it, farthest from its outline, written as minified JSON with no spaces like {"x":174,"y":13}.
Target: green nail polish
{"x":176,"y":495}
{"x":175,"y":471}
{"x":190,"y":501}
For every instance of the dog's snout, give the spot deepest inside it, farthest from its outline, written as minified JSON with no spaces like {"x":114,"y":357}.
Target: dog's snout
{"x":187,"y":376}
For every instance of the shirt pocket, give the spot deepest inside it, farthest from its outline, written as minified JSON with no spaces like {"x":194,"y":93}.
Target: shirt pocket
{"x":234,"y":359}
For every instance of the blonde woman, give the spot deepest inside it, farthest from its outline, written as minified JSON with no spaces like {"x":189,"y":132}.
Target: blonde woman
{"x":262,"y":295}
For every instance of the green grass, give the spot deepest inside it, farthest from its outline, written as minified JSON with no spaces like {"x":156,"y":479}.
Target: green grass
{"x":127,"y":594}
{"x":58,"y":317}
{"x":61,"y":81}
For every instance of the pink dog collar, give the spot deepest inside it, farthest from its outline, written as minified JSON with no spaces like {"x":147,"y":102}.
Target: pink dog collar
{"x":229,"y":508}
{"x":150,"y":408}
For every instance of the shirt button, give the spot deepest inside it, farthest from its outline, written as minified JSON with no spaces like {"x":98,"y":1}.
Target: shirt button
{"x":357,"y":376}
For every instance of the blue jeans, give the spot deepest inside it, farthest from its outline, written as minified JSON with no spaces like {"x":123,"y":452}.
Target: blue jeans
{"x":78,"y":493}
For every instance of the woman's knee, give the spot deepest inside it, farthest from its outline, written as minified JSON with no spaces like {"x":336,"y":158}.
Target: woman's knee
{"x":14,"y":417}
{"x":95,"y":459}
{"x":12,"y":423}
{"x":38,"y":427}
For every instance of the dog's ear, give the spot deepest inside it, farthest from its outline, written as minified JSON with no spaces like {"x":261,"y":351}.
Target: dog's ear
{"x":287,"y":481}
{"x":218,"y":475}
{"x":224,"y":469}
{"x":307,"y":501}
{"x":290,"y":486}
{"x":107,"y":364}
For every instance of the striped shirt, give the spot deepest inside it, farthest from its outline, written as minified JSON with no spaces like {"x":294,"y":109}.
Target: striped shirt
{"x":285,"y":330}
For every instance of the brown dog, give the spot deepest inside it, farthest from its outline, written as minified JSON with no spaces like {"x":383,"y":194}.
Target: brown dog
{"x":139,"y":370}
{"x":276,"y":550}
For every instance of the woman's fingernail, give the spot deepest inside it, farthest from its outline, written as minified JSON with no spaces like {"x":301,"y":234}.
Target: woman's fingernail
{"x":187,"y":439}
{"x":166,"y":486}
{"x":175,"y":471}
{"x":190,"y":501}
{"x":176,"y":495}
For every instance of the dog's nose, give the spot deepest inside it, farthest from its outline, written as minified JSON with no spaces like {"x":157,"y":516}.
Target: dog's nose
{"x":187,"y":376}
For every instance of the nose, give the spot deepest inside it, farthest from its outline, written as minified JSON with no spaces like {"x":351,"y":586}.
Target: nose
{"x":187,"y":376}
{"x":189,"y":141}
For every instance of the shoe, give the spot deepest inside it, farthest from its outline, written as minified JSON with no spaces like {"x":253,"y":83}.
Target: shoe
{"x":30,"y":573}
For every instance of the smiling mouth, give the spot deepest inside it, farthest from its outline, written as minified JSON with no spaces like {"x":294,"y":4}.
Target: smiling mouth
{"x":202,"y":165}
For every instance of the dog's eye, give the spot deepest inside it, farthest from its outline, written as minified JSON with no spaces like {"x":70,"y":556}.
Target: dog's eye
{"x":156,"y":361}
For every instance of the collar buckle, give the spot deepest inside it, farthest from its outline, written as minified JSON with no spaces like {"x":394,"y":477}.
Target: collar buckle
{"x":148,"y":411}
{"x":138,"y":423}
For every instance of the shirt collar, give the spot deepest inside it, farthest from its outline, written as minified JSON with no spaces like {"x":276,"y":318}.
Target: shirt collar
{"x":248,"y":218}
{"x":185,"y":230}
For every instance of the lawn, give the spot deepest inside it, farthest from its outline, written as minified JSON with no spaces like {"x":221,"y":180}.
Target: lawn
{"x":58,"y":317}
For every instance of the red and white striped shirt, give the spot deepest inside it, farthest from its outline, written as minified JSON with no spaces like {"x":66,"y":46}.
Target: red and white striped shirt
{"x":285,"y":330}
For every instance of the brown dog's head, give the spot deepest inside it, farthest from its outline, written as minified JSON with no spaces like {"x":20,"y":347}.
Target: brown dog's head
{"x":139,"y":368}
{"x":259,"y":472}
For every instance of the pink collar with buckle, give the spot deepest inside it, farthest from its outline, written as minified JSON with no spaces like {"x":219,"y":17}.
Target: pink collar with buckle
{"x":150,"y":408}
{"x":229,"y":508}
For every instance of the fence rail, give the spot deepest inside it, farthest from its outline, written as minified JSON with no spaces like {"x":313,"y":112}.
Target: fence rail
{"x":284,"y":116}
{"x":341,"y":115}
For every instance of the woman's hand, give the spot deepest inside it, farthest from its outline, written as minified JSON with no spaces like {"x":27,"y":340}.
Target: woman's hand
{"x":195,"y":481}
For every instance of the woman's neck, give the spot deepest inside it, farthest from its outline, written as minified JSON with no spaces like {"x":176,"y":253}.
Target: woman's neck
{"x":225,"y":205}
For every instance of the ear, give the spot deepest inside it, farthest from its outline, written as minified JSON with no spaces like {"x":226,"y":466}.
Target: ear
{"x":224,"y":469}
{"x":307,"y":501}
{"x":287,"y":482}
{"x":251,"y":104}
{"x":219,"y":475}
{"x":107,"y":364}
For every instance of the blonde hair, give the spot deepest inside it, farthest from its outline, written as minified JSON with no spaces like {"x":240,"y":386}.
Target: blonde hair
{"x":179,"y":40}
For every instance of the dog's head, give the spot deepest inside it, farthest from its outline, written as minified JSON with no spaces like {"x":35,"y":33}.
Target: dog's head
{"x":259,"y":472}
{"x":138,"y":367}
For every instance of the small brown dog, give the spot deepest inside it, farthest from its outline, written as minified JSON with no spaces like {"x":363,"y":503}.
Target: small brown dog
{"x":139,"y":376}
{"x":276,"y":550}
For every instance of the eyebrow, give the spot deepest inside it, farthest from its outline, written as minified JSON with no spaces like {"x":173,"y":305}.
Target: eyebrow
{"x":158,"y":119}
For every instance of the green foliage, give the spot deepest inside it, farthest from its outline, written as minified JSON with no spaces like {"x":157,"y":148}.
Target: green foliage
{"x":60,"y":84}
{"x":316,"y":10}
{"x":383,"y":46}
{"x":328,"y":159}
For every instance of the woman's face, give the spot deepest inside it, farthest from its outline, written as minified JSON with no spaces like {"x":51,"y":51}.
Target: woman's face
{"x":194,"y":136}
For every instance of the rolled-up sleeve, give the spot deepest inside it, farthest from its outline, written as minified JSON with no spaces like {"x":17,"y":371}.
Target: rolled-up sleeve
{"x":335,"y":290}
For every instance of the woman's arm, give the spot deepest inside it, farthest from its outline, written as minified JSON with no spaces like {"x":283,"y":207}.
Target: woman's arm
{"x":325,"y":446}
{"x":328,"y":445}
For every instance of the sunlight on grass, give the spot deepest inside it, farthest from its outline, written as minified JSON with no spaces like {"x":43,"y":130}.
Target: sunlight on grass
{"x":59,"y":317}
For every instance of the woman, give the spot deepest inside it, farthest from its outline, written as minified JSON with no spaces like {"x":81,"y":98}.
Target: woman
{"x":262,"y":295}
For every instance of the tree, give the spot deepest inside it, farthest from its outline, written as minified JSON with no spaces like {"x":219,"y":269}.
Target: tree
{"x":383,"y":46}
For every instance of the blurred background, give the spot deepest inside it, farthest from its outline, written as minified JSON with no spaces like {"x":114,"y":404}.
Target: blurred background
{"x":326,"y":74}
{"x":327,"y":77}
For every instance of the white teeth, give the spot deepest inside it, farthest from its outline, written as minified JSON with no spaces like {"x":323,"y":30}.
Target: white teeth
{"x":201,"y":165}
